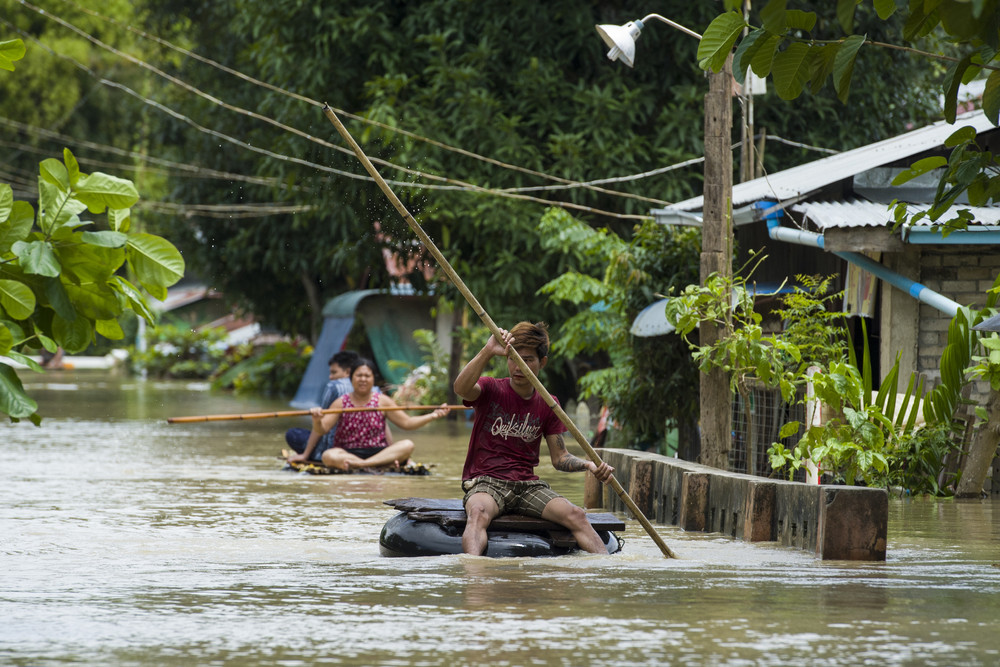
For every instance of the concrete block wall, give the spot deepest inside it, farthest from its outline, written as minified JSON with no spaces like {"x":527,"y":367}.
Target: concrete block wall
{"x":834,"y":522}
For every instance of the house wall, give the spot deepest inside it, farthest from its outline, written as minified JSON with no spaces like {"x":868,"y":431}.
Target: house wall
{"x":900,"y":315}
{"x":964,"y":274}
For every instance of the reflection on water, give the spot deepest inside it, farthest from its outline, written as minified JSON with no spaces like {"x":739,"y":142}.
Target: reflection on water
{"x":125,"y":540}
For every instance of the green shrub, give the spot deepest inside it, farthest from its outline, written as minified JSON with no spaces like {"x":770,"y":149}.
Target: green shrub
{"x":272,"y":370}
{"x":178,"y":351}
{"x":918,"y":459}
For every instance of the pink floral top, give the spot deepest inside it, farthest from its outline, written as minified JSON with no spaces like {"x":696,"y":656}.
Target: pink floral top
{"x":357,"y":430}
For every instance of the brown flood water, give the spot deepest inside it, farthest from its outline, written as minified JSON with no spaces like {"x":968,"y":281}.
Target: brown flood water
{"x":125,"y":540}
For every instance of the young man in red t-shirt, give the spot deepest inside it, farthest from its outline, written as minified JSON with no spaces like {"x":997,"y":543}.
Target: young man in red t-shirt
{"x":510,"y":421}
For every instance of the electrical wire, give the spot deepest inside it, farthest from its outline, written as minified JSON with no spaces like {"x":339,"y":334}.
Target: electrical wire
{"x":567,"y":183}
{"x":459,"y":185}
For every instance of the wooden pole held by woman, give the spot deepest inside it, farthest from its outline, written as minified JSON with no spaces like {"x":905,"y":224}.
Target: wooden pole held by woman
{"x":494,"y":329}
{"x":303,"y":413}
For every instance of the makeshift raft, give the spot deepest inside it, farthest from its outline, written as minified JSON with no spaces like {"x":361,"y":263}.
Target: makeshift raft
{"x":318,"y":468}
{"x":433,"y":527}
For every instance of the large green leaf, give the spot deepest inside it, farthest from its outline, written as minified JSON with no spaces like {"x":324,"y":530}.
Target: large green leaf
{"x":57,"y":208}
{"x":90,"y":263}
{"x":155,"y":260}
{"x":6,"y":201}
{"x":11,"y":50}
{"x":6,"y":339}
{"x":54,"y":172}
{"x":845,"y":14}
{"x":963,"y":135}
{"x":745,"y":52}
{"x":920,"y":22}
{"x":920,"y":167}
{"x":773,"y":16}
{"x":17,"y":299}
{"x":13,"y":400}
{"x":823,"y":59}
{"x":958,"y":19}
{"x":49,"y":344}
{"x":58,"y":300}
{"x":991,"y":97}
{"x":843,"y":65}
{"x":763,"y":59}
{"x":885,"y":8}
{"x":110,"y":329}
{"x":72,"y":167}
{"x":37,"y":258}
{"x":95,"y":301}
{"x":99,"y":191}
{"x":17,"y":227}
{"x":791,"y":70}
{"x":135,"y":299}
{"x":796,"y":19}
{"x":954,"y":77}
{"x":74,"y":337}
{"x":119,"y":219}
{"x":15,"y":330}
{"x":105,"y":239}
{"x":26,"y":360}
{"x":717,"y":41}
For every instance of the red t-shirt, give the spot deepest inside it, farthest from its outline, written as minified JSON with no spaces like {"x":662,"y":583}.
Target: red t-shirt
{"x":507,"y":432}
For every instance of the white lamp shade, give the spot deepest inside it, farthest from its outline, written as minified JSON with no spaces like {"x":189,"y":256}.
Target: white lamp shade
{"x":621,"y":39}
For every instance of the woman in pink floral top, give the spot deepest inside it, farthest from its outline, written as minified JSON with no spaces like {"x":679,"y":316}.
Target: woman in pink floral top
{"x":360,"y":438}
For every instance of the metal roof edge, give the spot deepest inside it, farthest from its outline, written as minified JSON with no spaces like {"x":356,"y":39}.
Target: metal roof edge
{"x":840,"y":166}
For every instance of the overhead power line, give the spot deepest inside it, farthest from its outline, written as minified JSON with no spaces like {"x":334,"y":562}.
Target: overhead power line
{"x":567,"y":183}
{"x":169,"y":166}
{"x":460,"y":185}
{"x":266,"y":119}
{"x":454,"y":184}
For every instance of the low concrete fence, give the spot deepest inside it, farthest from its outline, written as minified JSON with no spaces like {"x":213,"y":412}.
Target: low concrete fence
{"x":834,"y":522}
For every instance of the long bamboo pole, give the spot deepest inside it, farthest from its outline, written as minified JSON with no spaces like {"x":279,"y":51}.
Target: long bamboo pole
{"x":494,"y":330}
{"x":302,"y":413}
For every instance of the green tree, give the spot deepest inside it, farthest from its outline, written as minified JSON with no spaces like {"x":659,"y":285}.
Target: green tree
{"x":645,"y":383}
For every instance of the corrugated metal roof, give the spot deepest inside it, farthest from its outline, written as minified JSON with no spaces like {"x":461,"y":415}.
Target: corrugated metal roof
{"x":797,"y":182}
{"x":860,"y":213}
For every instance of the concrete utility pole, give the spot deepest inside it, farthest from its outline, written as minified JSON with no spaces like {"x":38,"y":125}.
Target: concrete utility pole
{"x":717,"y":257}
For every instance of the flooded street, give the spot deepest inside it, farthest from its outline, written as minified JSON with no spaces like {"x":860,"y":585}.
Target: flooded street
{"x":125,"y":540}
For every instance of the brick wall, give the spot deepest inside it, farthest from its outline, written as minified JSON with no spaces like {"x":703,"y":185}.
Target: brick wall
{"x":963,"y":274}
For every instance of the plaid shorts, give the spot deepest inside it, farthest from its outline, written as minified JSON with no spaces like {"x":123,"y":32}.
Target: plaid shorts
{"x":528,"y":498}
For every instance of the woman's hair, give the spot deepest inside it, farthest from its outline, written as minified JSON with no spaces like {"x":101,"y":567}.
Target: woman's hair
{"x":359,"y":362}
{"x":534,"y":336}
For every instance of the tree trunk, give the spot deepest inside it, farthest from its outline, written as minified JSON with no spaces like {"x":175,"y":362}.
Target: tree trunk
{"x":315,"y":307}
{"x":981,"y":452}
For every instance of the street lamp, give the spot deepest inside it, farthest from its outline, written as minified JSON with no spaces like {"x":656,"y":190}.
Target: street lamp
{"x":621,"y":38}
{"x":715,"y":397}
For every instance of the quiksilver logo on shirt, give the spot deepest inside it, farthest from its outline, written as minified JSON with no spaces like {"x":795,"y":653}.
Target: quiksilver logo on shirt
{"x":511,"y":428}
